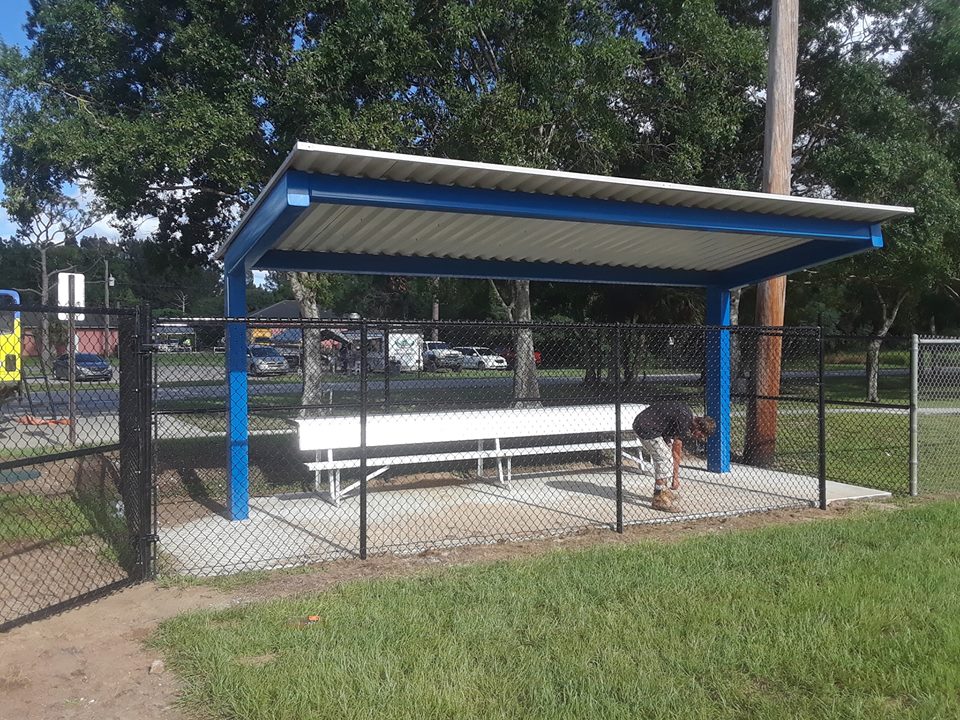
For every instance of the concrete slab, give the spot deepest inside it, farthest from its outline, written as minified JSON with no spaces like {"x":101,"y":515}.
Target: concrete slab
{"x":288,"y":530}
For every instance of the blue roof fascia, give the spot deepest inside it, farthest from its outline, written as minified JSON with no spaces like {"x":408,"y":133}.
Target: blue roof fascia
{"x":339,"y":190}
{"x":801,"y":257}
{"x":287,"y":260}
{"x":288,"y":199}
{"x":295,"y":190}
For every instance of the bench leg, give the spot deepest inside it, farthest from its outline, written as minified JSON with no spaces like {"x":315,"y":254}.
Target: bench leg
{"x":496,"y":445}
{"x":333,"y":482}
{"x":479,"y":459}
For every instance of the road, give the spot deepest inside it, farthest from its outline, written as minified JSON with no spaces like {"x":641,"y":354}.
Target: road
{"x":98,"y":399}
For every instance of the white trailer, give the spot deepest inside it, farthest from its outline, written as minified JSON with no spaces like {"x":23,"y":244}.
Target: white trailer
{"x":406,"y":350}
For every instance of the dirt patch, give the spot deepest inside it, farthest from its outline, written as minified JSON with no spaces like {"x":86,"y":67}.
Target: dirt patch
{"x":91,"y":662}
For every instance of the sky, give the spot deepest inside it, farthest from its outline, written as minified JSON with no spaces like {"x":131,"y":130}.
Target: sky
{"x":12,"y":18}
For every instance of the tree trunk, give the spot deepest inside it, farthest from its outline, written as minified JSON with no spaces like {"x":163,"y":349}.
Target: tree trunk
{"x":46,"y":355}
{"x":736,"y":367}
{"x":873,"y":370}
{"x":312,"y":395}
{"x":873,"y":348}
{"x":526,"y":384}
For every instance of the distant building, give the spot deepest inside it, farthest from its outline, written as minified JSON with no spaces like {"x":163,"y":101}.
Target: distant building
{"x":90,"y":335}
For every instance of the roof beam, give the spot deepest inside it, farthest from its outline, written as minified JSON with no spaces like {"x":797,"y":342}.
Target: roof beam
{"x":444,"y":198}
{"x":801,"y":257}
{"x":361,"y":264}
{"x":285,"y":203}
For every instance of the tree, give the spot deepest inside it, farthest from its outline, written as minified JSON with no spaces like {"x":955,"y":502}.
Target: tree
{"x":877,"y":131}
{"x":310,"y":290}
{"x":511,"y":78}
{"x":53,"y":222}
{"x":515,"y":303}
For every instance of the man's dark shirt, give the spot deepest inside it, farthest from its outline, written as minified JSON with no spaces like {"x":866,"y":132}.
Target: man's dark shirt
{"x":668,"y":420}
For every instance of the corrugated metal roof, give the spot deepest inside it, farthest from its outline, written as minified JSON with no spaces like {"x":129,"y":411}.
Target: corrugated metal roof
{"x":374,"y":230}
{"x":369,"y":230}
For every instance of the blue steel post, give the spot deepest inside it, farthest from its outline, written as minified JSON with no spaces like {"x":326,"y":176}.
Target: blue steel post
{"x":718,"y":377}
{"x":238,"y":492}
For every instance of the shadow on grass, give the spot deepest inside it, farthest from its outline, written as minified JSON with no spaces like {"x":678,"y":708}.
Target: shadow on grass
{"x":97,"y":495}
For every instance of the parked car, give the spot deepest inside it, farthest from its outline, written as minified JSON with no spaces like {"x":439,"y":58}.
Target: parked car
{"x":481,"y":358}
{"x":265,"y":360}
{"x":288,"y":343}
{"x":509,"y":355}
{"x":87,"y":367}
{"x":438,"y":355}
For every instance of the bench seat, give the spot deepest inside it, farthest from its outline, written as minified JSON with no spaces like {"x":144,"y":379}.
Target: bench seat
{"x":325,"y":435}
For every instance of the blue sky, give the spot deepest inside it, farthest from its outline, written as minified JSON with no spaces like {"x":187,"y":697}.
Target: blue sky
{"x":12,"y":18}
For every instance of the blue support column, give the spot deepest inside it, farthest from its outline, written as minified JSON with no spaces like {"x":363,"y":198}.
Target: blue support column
{"x":238,"y":492}
{"x":718,"y":378}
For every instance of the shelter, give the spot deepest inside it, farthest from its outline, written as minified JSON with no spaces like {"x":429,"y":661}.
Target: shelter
{"x":344,"y":210}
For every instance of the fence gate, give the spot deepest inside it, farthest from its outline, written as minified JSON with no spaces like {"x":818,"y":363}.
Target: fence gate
{"x":937,"y":417}
{"x":75,"y":508}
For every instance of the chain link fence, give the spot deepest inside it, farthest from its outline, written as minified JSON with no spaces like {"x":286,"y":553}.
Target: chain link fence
{"x":937,"y":421}
{"x":867,"y":411}
{"x":372,"y":436}
{"x":72,"y":519}
{"x":402,"y":437}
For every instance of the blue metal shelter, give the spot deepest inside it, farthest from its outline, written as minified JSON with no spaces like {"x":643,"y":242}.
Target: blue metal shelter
{"x":343,"y":210}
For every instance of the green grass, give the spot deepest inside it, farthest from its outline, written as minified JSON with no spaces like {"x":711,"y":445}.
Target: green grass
{"x":35,"y":517}
{"x":863,"y":448}
{"x":822,"y":620}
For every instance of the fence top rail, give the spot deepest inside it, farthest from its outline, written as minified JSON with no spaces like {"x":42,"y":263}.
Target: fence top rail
{"x":882,"y":338}
{"x":931,"y":340}
{"x":801,"y":330}
{"x":66,"y":310}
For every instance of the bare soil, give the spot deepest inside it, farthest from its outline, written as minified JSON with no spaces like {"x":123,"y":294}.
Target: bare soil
{"x":92,"y":662}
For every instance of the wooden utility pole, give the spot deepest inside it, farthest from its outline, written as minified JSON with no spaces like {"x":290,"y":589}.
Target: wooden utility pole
{"x":761,"y":439}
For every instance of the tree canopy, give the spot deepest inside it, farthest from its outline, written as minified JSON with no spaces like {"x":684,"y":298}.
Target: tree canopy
{"x":182,"y":110}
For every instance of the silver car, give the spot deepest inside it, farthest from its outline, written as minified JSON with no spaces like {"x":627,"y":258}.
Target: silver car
{"x":265,"y":360}
{"x":481,"y":358}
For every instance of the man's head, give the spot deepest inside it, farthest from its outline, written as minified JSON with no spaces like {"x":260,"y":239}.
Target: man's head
{"x":702,"y":427}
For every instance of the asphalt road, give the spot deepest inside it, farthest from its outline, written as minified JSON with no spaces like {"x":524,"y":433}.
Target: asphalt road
{"x":97,"y":399}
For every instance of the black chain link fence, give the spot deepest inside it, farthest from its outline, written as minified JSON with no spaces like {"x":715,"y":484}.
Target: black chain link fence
{"x":72,"y":520}
{"x":372,"y":436}
{"x":867,"y":387}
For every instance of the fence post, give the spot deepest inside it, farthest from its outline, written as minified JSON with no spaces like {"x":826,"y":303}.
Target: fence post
{"x":146,"y":384}
{"x":914,"y":405}
{"x":618,"y":449}
{"x":821,"y":420}
{"x":363,"y":439}
{"x":72,"y":362}
{"x":386,"y":368}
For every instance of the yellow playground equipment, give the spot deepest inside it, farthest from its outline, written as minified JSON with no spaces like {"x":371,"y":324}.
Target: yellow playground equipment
{"x":11,"y":347}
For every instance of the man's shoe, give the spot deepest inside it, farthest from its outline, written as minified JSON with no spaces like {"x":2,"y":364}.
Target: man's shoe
{"x":665,"y":501}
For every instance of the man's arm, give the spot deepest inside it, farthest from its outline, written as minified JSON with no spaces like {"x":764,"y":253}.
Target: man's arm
{"x":677,"y":457}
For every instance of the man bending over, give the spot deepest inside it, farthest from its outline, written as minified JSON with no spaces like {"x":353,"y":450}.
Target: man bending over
{"x":663,"y":428}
